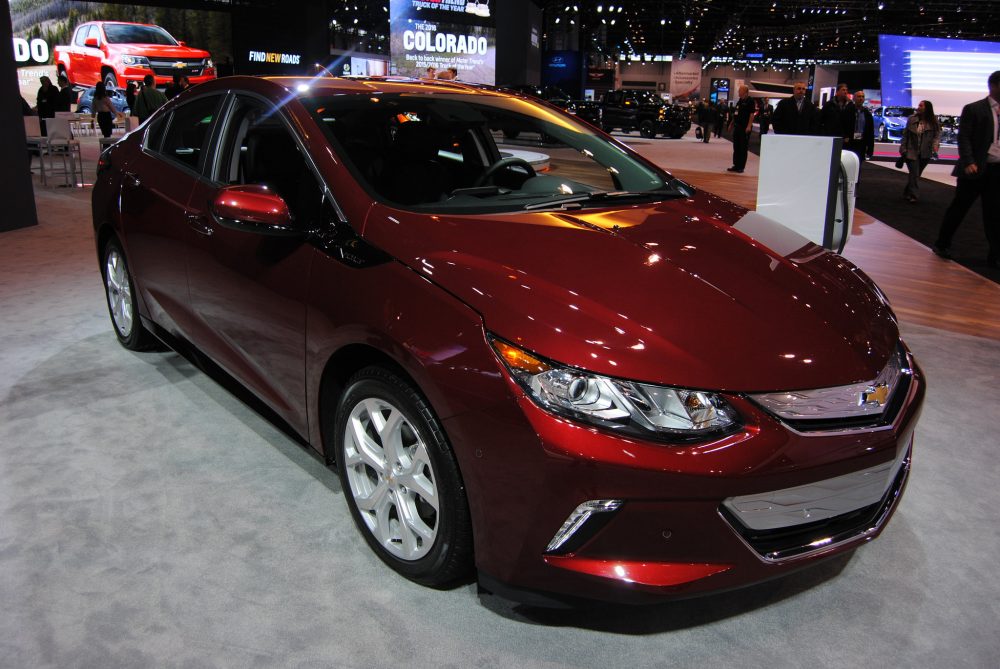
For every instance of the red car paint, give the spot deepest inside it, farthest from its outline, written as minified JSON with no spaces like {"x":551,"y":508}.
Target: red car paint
{"x":669,"y":293}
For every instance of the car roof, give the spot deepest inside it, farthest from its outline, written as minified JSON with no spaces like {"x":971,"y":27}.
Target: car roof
{"x":369,"y":85}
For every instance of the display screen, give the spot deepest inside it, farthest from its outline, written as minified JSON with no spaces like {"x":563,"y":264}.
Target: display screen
{"x":950,"y":73}
{"x":54,"y":37}
{"x":443,"y":39}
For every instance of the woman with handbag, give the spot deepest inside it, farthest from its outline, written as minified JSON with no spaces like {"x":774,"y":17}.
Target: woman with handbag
{"x":920,"y":143}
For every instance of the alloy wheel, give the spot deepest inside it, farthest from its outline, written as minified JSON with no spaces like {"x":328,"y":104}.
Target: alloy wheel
{"x":391,"y":479}
{"x":119,"y":292}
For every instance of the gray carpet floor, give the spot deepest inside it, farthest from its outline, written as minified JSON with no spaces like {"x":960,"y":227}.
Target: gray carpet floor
{"x":149,"y":518}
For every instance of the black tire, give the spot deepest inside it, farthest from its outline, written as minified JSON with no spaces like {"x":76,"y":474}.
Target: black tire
{"x":123,"y":306}
{"x":647,"y":130}
{"x":883,"y":134}
{"x":448,"y":558}
{"x":110,"y":80}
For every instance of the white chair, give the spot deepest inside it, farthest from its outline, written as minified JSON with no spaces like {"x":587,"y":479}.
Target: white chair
{"x":37,"y":144}
{"x":63,"y":148}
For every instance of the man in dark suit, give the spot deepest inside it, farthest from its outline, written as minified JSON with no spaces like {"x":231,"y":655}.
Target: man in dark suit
{"x":978,"y":171}
{"x":838,"y":116}
{"x":795,"y":115}
{"x":741,"y":125}
{"x":862,"y":142}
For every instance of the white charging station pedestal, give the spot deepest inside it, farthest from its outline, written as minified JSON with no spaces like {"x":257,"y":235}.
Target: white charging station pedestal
{"x":807,"y":184}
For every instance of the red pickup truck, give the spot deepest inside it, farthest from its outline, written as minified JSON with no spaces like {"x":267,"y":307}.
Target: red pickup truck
{"x":116,"y":53}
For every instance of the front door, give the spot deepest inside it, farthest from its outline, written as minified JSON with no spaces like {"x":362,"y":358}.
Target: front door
{"x":248,"y":288}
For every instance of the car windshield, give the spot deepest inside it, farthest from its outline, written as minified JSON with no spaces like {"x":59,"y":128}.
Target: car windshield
{"x":457,"y":152}
{"x":124,"y":33}
{"x":898,"y":111}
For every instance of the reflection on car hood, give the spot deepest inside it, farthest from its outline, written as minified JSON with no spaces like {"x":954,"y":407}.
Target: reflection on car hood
{"x":676,"y":293}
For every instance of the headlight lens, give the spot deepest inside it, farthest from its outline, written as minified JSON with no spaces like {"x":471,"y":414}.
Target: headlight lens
{"x":639,"y":409}
{"x":209,"y":64}
{"x":135,"y":60}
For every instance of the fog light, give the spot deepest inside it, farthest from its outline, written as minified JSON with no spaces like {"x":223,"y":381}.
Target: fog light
{"x":579,"y":518}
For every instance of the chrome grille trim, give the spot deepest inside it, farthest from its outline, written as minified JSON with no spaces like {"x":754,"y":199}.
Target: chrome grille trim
{"x":841,"y":401}
{"x":815,"y":501}
{"x":865,"y":529}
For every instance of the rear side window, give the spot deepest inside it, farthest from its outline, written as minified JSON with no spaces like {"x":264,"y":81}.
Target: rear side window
{"x":186,"y":139}
{"x":81,"y":35}
{"x":154,"y":136}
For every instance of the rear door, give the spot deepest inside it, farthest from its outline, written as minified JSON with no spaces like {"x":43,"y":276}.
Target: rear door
{"x":157,"y":184}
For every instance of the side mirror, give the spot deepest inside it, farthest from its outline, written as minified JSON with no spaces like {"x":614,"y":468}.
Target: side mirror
{"x":91,"y":42}
{"x":181,"y":43}
{"x":253,"y":208}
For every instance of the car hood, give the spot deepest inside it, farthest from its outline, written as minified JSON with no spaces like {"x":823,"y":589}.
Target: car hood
{"x":162,"y":51}
{"x":696,"y":292}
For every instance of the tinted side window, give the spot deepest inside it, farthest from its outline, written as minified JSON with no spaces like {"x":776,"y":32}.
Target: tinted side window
{"x":188,"y":131}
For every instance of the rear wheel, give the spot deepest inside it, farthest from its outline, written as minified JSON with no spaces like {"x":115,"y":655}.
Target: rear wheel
{"x":122,"y":302}
{"x":401,"y":480}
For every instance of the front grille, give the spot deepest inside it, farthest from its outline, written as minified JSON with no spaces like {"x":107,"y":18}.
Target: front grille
{"x":783,"y":543}
{"x":193,"y":67}
{"x":847,"y":407}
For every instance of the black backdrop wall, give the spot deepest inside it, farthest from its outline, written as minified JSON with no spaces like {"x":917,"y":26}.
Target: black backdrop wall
{"x":16,"y":191}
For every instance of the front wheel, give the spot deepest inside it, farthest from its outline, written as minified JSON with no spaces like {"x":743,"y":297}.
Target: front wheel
{"x":647,"y":130}
{"x":401,"y":480}
{"x":883,"y":134}
{"x":110,"y":80}
{"x":122,"y":303}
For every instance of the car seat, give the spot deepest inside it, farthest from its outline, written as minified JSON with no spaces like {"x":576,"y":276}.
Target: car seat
{"x":413,"y":175}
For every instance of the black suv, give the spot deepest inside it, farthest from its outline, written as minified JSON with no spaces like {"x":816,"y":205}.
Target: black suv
{"x":632,"y":109}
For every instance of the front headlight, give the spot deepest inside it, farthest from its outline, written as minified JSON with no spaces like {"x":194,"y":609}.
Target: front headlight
{"x":209,"y":64}
{"x":639,"y":409}
{"x":135,"y":61}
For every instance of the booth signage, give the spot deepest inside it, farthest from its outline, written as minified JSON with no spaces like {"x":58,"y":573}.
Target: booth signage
{"x":428,"y":38}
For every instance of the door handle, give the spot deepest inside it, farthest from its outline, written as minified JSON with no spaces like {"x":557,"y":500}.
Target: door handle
{"x":200,"y":224}
{"x":132,"y":180}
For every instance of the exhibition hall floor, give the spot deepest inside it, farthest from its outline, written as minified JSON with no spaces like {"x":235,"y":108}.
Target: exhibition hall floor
{"x":148,"y":517}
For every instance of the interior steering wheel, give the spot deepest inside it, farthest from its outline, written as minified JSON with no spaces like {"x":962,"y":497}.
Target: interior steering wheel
{"x":503,"y":163}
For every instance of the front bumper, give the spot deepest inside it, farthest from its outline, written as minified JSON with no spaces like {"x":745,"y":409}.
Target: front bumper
{"x":674,"y":535}
{"x":137,"y":74}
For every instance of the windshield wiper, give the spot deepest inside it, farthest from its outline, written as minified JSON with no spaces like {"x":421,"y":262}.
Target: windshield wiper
{"x":601,"y":196}
{"x":479,"y":191}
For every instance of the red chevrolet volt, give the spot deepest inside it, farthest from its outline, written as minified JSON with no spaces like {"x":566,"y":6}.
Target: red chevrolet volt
{"x":544,"y":361}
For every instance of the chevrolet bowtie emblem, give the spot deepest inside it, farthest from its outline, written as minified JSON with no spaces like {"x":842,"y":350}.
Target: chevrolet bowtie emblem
{"x":875,"y":395}
{"x":179,"y":65}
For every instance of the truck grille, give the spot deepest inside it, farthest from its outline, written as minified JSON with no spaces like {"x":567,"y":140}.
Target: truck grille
{"x":193,"y":67}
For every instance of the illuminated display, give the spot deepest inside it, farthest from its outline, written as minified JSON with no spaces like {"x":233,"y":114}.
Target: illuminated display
{"x":443,"y":39}
{"x":950,"y":73}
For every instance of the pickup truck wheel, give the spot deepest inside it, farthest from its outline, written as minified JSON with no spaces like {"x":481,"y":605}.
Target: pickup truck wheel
{"x":110,"y":80}
{"x":647,"y":130}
